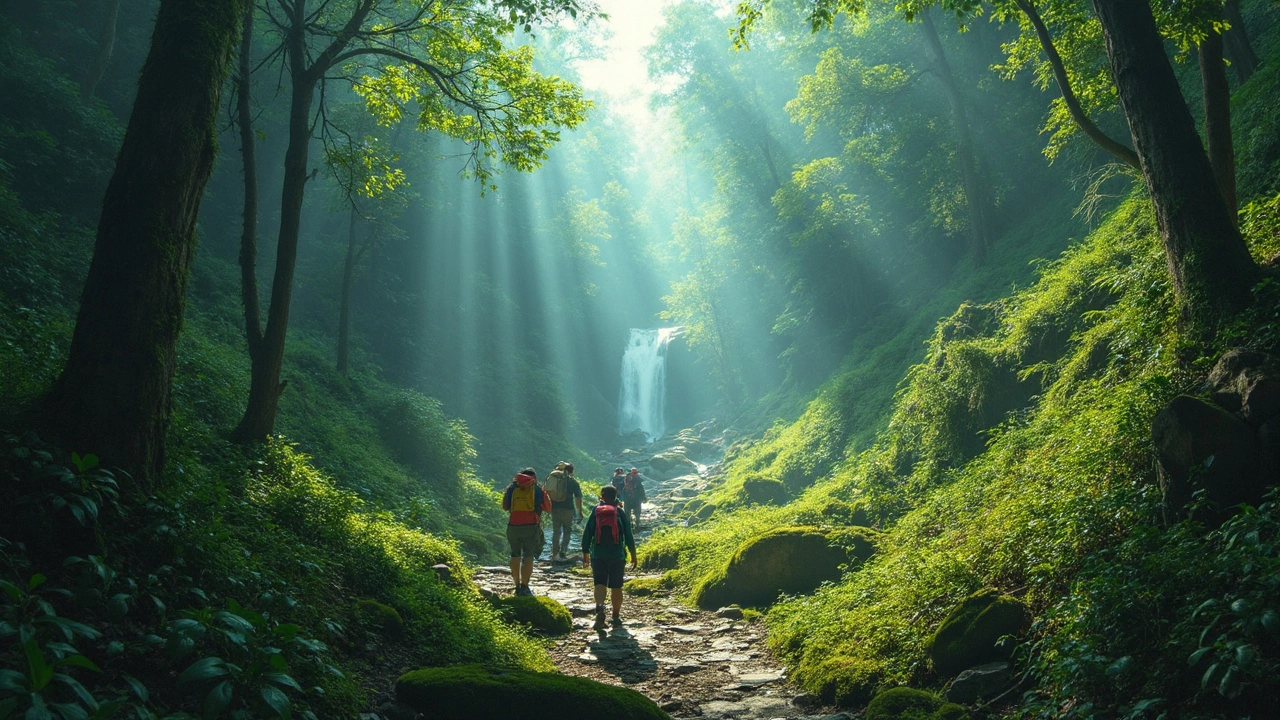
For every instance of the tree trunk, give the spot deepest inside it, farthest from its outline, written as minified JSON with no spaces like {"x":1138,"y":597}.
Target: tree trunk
{"x":975,"y":190}
{"x":344,"y":306}
{"x":1087,"y":126}
{"x":1217,"y":120}
{"x":113,"y":397}
{"x":1209,"y":263}
{"x":265,"y":387}
{"x":1239,"y":49}
{"x":106,"y":47}
{"x":248,"y":156}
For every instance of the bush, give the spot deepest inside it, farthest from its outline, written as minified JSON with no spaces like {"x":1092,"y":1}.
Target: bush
{"x":536,"y":611}
{"x":470,"y":691}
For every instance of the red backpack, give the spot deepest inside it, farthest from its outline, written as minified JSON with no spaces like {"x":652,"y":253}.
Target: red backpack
{"x":608,"y":529}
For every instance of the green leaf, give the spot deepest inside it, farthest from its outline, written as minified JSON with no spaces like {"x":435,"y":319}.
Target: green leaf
{"x":40,"y":672}
{"x":13,"y":681}
{"x":80,"y":661}
{"x":85,"y":696}
{"x":1230,"y":682}
{"x":218,"y":699}
{"x":204,"y":669}
{"x":1198,"y":655}
{"x":139,"y":690}
{"x":282,"y":679}
{"x":278,"y":701}
{"x":1208,"y":676}
{"x":38,"y":711}
{"x":70,"y":711}
{"x":286,"y":632}
{"x":36,"y":581}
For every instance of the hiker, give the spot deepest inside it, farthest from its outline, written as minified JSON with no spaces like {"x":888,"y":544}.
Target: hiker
{"x":565,"y":493}
{"x":609,"y":532}
{"x":525,"y":501}
{"x":619,"y":479}
{"x":633,"y":496}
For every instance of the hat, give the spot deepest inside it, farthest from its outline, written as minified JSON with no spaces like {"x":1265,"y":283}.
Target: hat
{"x":635,"y":471}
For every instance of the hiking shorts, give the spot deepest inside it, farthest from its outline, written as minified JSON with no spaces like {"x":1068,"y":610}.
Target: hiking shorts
{"x":608,"y":571}
{"x":525,"y":540}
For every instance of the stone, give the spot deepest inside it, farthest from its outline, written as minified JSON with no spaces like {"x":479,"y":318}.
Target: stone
{"x":731,"y":612}
{"x":537,"y":611}
{"x":1200,"y":445}
{"x":1247,"y":382}
{"x":685,"y":668}
{"x":909,"y":704}
{"x":764,"y":491}
{"x":754,"y":679}
{"x":757,"y":707}
{"x":685,"y":629}
{"x":972,"y":634}
{"x":805,"y":701}
{"x":465,"y":692}
{"x":672,"y":706}
{"x":792,"y":560}
{"x":980,"y":683}
{"x":672,"y":464}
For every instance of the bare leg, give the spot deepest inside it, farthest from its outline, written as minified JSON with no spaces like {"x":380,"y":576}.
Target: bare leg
{"x":515,"y":571}
{"x":600,"y":594}
{"x":615,"y":597}
{"x":526,"y":570}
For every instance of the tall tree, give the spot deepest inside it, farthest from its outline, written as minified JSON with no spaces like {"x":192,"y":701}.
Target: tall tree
{"x":106,"y":48}
{"x":1208,"y":260}
{"x":1238,"y":47}
{"x":113,"y":397}
{"x":1217,"y":118}
{"x":447,"y":57}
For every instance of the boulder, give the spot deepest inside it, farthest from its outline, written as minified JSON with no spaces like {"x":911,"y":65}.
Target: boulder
{"x":1200,"y":445}
{"x":764,"y":491}
{"x":382,"y":619}
{"x":908,"y":704}
{"x":973,"y":633}
{"x":859,"y":543}
{"x":703,"y":452}
{"x":465,"y":692}
{"x":730,"y":612}
{"x":842,"y":680}
{"x":785,"y":560}
{"x":536,"y":611}
{"x":672,"y":464}
{"x":1247,"y":382}
{"x":980,"y":683}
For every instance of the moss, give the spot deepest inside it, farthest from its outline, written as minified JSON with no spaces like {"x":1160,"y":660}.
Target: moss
{"x":538,"y":612}
{"x":908,"y":704}
{"x":464,"y":692}
{"x":763,"y":491}
{"x":841,"y":680}
{"x":643,"y":586}
{"x":971,"y":634}
{"x":786,"y":560}
{"x":660,"y":558}
{"x":859,"y":543}
{"x":379,"y":617}
{"x":838,"y":512}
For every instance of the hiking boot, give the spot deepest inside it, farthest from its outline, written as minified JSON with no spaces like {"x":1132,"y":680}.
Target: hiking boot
{"x":599,"y":619}
{"x":617,"y":621}
{"x":524,"y":590}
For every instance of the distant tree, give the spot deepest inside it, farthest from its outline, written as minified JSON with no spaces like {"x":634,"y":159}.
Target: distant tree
{"x":446,"y":57}
{"x":113,"y":397}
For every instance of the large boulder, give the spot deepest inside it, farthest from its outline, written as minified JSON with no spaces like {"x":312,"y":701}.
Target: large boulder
{"x":466,"y":692}
{"x":1199,"y":445}
{"x":672,"y":464}
{"x":764,"y":491}
{"x":1247,"y":382}
{"x":974,"y":632}
{"x":908,"y":704}
{"x":785,"y":560}
{"x":536,"y":611}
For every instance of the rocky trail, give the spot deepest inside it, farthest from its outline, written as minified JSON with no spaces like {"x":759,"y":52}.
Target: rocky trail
{"x":692,"y":663}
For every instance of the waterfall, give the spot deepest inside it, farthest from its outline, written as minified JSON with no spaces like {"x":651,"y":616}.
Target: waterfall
{"x":644,"y":382}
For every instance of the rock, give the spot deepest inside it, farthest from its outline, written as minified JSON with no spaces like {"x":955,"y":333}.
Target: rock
{"x":757,"y":707}
{"x":581,"y":611}
{"x":731,"y":612}
{"x":398,"y":711}
{"x":790,"y":559}
{"x":837,"y":512}
{"x":383,"y":619}
{"x":672,"y":464}
{"x":1200,"y":445}
{"x":764,"y":491}
{"x":686,"y":629}
{"x":701,"y":451}
{"x":685,"y":668}
{"x":805,"y":701}
{"x":972,"y":634}
{"x":754,"y":679}
{"x":908,"y":704}
{"x":536,"y":611}
{"x":443,"y":571}
{"x":672,"y":705}
{"x":980,"y":683}
{"x":1247,"y":382}
{"x":465,"y":692}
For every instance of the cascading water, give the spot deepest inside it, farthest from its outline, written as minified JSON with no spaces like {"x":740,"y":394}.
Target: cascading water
{"x":644,"y":382}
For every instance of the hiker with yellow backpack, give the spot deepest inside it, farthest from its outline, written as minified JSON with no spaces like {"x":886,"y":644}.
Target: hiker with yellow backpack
{"x":525,"y":501}
{"x":565,"y":493}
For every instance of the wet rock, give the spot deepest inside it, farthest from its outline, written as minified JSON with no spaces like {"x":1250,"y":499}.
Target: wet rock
{"x":978,"y":683}
{"x":731,"y":612}
{"x":672,"y":706}
{"x":672,"y":464}
{"x":805,"y":701}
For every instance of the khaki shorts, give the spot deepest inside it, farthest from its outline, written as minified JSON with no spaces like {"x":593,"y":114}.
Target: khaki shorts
{"x":525,"y":540}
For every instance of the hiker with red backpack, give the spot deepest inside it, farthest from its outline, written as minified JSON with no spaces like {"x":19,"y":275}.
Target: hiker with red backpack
{"x":525,"y":501}
{"x":565,"y":493}
{"x":609,"y":532}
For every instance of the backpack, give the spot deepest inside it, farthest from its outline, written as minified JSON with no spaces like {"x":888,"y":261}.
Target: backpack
{"x":527,"y":499}
{"x":633,"y":487}
{"x":608,"y":527}
{"x":558,"y":486}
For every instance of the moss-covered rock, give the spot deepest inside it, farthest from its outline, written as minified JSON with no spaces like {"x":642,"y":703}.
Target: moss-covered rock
{"x":859,"y":543}
{"x":763,"y":491}
{"x":971,"y":634}
{"x":841,"y":680}
{"x":379,"y":617}
{"x":662,"y":558}
{"x":538,"y":612}
{"x":785,"y":560}
{"x":908,"y":704}
{"x":643,"y":586}
{"x":466,"y":692}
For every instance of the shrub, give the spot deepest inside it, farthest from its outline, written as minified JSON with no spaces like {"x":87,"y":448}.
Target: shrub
{"x":470,"y":691}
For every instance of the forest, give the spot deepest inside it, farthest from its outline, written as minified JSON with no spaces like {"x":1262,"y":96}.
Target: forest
{"x":944,"y":336}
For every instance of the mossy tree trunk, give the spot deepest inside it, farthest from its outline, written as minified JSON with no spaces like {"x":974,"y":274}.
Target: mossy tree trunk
{"x":113,"y":397}
{"x":1209,"y":263}
{"x":1217,"y":119}
{"x":976,"y":193}
{"x":1239,"y":48}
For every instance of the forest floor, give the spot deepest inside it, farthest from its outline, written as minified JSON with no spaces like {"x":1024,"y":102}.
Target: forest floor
{"x":692,"y":663}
